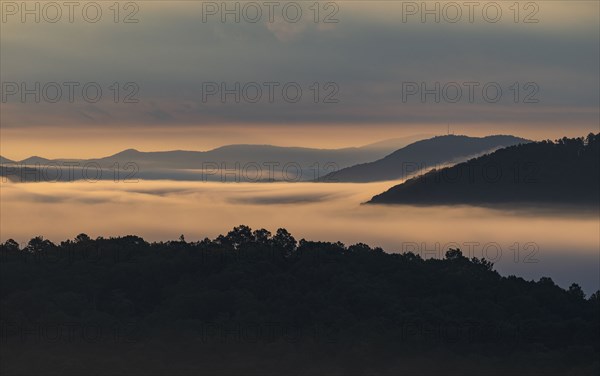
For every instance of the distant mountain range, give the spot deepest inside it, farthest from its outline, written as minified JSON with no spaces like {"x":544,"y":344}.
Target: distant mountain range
{"x":566,"y":171}
{"x":421,"y":155}
{"x":256,"y":163}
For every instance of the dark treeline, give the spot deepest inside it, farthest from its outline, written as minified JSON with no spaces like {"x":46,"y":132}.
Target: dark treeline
{"x":252,"y":302}
{"x":566,"y":171}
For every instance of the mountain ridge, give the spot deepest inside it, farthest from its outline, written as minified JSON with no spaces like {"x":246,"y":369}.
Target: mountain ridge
{"x":562,"y":172}
{"x":421,"y":155}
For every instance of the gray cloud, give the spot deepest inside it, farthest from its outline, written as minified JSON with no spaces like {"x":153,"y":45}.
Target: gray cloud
{"x":171,"y":54}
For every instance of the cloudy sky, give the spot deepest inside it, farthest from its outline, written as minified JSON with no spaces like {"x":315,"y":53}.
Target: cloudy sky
{"x":366,"y":71}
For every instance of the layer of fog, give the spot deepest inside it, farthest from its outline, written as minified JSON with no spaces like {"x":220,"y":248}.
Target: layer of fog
{"x":527,"y":243}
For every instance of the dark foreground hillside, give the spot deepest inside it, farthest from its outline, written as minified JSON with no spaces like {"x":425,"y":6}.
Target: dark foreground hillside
{"x":252,"y":303}
{"x":566,"y":171}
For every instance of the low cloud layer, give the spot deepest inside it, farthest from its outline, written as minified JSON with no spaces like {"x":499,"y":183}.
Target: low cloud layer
{"x":161,"y":210}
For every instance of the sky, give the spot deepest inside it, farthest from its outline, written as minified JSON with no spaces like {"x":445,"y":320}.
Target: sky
{"x":366,"y":70}
{"x":96,"y":79}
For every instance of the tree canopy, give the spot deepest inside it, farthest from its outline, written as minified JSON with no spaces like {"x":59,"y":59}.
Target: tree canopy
{"x":248,"y":295}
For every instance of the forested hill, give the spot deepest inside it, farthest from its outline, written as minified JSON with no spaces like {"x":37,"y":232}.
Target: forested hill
{"x":566,"y":171}
{"x":268,"y":302}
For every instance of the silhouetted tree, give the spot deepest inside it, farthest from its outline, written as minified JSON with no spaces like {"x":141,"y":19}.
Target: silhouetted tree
{"x":359,"y":248}
{"x":284,"y":241}
{"x":576,"y":291}
{"x":239,"y":236}
{"x":82,"y":238}
{"x":454,"y":254}
{"x":11,"y":246}
{"x":262,"y":236}
{"x":39,"y":244}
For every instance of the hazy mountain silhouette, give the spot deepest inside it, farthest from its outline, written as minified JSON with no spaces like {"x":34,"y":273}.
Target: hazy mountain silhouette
{"x":184,"y":165}
{"x":393,"y":144}
{"x":35,"y":160}
{"x":5,"y":160}
{"x":422,"y":155}
{"x":242,"y":154}
{"x":565,"y":171}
